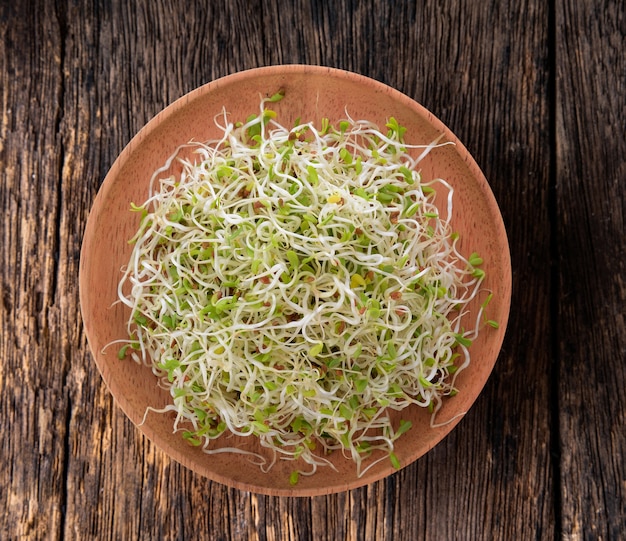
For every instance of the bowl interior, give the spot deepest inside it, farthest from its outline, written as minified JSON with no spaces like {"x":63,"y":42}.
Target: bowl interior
{"x":311,"y":93}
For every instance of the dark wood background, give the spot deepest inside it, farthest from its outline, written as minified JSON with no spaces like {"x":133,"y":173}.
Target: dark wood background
{"x":535,"y":89}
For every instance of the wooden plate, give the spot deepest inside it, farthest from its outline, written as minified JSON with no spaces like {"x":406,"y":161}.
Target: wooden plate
{"x":311,"y":93}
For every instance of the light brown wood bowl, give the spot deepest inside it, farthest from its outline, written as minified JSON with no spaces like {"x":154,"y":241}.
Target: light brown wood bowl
{"x":311,"y":93}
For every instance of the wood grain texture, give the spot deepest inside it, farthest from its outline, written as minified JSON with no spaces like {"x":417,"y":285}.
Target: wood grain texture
{"x":591,"y":210}
{"x":523,"y":84}
{"x":34,"y":404}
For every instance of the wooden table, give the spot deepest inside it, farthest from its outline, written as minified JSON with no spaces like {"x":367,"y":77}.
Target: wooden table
{"x":537,"y":92}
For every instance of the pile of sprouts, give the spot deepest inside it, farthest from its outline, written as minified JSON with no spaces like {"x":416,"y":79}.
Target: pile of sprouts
{"x":295,"y":285}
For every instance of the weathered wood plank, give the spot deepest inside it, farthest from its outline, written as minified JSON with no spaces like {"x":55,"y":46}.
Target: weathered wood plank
{"x":34,"y":340}
{"x":591,"y":167}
